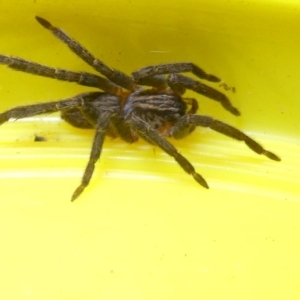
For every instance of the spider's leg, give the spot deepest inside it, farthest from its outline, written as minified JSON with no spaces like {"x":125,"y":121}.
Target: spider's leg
{"x":206,"y":121}
{"x":26,"y":111}
{"x":150,"y":71}
{"x":82,"y":78}
{"x":115,"y":76}
{"x":99,"y":113}
{"x":157,"y":81}
{"x":145,"y":131}
{"x":101,"y":127}
{"x":178,"y":80}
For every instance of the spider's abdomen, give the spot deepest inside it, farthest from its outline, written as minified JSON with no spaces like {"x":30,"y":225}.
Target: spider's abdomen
{"x":158,"y":109}
{"x":75,"y":118}
{"x":86,"y":114}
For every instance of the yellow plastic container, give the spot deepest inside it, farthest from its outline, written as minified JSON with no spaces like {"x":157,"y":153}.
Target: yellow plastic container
{"x":144,"y":229}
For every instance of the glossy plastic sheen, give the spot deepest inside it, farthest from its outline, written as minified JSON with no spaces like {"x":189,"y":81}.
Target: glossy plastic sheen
{"x":144,"y":229}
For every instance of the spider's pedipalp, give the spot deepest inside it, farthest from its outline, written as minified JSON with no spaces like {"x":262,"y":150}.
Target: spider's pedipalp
{"x":206,"y":121}
{"x":115,"y":76}
{"x":154,"y":137}
{"x":203,"y":89}
{"x":193,"y":103}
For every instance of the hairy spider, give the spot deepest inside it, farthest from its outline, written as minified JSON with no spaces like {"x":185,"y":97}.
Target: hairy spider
{"x":126,"y":109}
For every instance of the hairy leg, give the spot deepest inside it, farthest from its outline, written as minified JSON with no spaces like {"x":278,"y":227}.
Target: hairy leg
{"x":26,"y":111}
{"x":151,"y":135}
{"x":102,"y":123}
{"x":170,"y":68}
{"x":82,"y":78}
{"x":205,"y":121}
{"x":115,"y":76}
{"x":180,"y":81}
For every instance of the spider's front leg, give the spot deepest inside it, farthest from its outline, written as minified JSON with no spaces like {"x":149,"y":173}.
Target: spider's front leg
{"x":151,"y":135}
{"x":171,"y":68}
{"x":154,"y":75}
{"x":178,"y":81}
{"x":179,"y":130}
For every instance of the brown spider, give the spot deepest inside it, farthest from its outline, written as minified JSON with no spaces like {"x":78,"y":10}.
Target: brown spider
{"x":124,"y":108}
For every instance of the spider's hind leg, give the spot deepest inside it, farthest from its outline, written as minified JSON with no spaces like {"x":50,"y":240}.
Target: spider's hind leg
{"x":154,"y":137}
{"x":206,"y":121}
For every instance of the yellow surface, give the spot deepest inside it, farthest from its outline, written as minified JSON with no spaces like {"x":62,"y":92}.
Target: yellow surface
{"x":143,"y":229}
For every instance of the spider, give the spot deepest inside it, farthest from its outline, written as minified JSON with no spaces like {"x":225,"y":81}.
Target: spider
{"x":148,"y":104}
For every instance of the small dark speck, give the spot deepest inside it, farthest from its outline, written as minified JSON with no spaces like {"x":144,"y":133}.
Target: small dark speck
{"x":39,"y":138}
{"x":269,"y":238}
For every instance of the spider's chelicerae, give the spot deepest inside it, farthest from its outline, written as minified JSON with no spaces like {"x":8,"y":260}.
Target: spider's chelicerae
{"x":125,"y":108}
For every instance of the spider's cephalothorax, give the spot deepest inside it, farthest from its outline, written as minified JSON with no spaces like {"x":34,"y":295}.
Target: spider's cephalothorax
{"x":127,"y":109}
